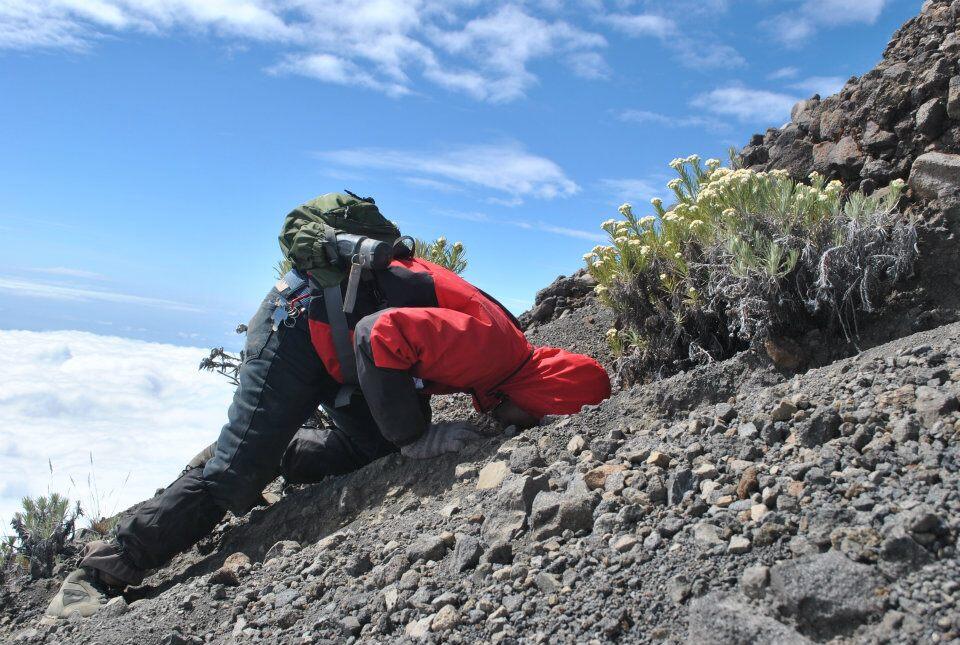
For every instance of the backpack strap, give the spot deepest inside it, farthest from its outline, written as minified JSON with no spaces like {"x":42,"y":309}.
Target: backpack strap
{"x":340,"y":333}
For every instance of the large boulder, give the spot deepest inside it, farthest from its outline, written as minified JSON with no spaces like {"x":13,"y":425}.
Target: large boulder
{"x":935,"y":175}
{"x":724,"y":619}
{"x":826,"y":594}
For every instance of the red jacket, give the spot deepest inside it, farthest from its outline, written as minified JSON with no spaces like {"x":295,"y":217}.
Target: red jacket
{"x":436,"y":326}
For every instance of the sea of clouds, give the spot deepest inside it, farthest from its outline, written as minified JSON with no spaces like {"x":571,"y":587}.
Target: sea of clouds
{"x":140,"y":410}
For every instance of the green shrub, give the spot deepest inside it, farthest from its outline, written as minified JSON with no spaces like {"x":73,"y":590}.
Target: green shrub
{"x":42,"y":530}
{"x":450,"y":256}
{"x":741,"y":258}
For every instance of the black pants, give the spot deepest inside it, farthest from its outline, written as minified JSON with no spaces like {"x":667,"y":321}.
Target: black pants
{"x":282,"y":381}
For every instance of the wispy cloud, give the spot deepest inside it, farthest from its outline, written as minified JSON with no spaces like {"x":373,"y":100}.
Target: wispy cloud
{"x":70,"y":272}
{"x":48,"y":290}
{"x":506,"y":168}
{"x":634,"y":190}
{"x":670,"y":121}
{"x":795,"y":27}
{"x":783,"y":73}
{"x":642,"y":24}
{"x":747,"y":104}
{"x":540,"y":225}
{"x":700,"y":51}
{"x":822,"y":85}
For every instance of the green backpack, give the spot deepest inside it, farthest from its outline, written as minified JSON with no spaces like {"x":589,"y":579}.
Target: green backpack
{"x":305,"y":237}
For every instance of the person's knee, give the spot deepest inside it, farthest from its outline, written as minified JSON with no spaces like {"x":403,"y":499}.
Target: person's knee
{"x":231,"y":490}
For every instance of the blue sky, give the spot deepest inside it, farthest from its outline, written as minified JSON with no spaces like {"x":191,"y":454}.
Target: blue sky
{"x":150,"y":148}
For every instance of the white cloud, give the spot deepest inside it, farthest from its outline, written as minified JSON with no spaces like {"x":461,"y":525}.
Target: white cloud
{"x":506,"y":168}
{"x":503,"y":43}
{"x":383,"y":45}
{"x":644,"y":24}
{"x":589,"y":65}
{"x":545,"y":227}
{"x":30,"y":288}
{"x":71,"y":272}
{"x":795,"y":27}
{"x":635,"y":191}
{"x":670,"y":121}
{"x":695,"y":52}
{"x":822,"y":85}
{"x":746,"y":104}
{"x":783,"y":73}
{"x":141,"y":409}
{"x":559,"y":230}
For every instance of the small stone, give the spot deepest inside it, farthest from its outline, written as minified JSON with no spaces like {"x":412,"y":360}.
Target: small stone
{"x":446,"y":619}
{"x":657,"y":458}
{"x":282,"y":548}
{"x":783,"y":411}
{"x":754,"y":580}
{"x":431,"y":547}
{"x":953,"y":98}
{"x":707,"y":534}
{"x":526,"y":458}
{"x":546,"y":582}
{"x":725,"y":412}
{"x":931,"y":404}
{"x":623,"y":543}
{"x":930,"y":117}
{"x":705,"y":471}
{"x":757,"y":511}
{"x":576,"y":444}
{"x":492,"y":475}
{"x":465,"y":471}
{"x":418,"y":628}
{"x":116,"y":606}
{"x":738,"y":544}
{"x":597,"y":478}
{"x":748,"y":483}
{"x":350,"y":625}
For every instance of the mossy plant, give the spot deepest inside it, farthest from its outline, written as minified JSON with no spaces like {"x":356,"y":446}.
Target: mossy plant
{"x":743,"y":256}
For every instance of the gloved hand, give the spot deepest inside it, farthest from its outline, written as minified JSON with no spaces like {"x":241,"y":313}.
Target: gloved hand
{"x":441,"y":438}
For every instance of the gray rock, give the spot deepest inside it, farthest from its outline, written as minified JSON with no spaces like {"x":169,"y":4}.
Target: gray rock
{"x":935,"y":174}
{"x":390,"y":571}
{"x":707,"y":534}
{"x":953,"y":98}
{"x":525,"y":458}
{"x":821,"y":426}
{"x":428,"y":547}
{"x":724,"y":619}
{"x":754,"y":580}
{"x":553,"y":513}
{"x":930,"y":117}
{"x":350,"y":625}
{"x":518,"y":492}
{"x":115,"y":607}
{"x":503,"y":527}
{"x":933,"y":403}
{"x":546,"y":582}
{"x":466,"y":553}
{"x":826,"y":594}
{"x":681,"y":482}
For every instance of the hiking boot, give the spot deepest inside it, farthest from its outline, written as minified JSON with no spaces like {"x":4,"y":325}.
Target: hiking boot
{"x":78,"y":595}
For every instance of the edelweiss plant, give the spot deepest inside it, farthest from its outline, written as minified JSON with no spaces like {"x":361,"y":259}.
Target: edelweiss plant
{"x":42,"y":529}
{"x":450,"y":256}
{"x":744,"y":256}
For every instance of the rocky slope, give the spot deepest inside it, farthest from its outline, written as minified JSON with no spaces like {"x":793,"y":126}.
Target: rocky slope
{"x":730,"y":504}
